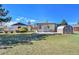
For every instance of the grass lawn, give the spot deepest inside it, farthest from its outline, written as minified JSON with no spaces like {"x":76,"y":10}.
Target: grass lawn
{"x":53,"y":45}
{"x":16,"y":33}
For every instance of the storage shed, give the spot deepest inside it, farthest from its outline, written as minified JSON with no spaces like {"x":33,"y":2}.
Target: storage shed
{"x":67,"y":29}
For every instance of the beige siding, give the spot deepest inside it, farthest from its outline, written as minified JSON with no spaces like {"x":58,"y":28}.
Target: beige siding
{"x":48,"y":27}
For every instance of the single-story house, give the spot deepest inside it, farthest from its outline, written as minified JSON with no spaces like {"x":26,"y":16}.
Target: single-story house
{"x":30,"y":28}
{"x":1,"y":29}
{"x":16,"y":26}
{"x":2,"y":23}
{"x":45,"y":27}
{"x":66,"y":29}
{"x":76,"y":28}
{"x":2,"y":26}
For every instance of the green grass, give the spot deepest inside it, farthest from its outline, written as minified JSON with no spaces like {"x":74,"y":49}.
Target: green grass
{"x":53,"y":45}
{"x":14,"y":33}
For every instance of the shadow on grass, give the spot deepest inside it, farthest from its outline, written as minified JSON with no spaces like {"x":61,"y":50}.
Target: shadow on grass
{"x":20,"y":38}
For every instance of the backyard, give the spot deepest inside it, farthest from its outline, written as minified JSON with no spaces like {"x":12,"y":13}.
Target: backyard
{"x":48,"y":45}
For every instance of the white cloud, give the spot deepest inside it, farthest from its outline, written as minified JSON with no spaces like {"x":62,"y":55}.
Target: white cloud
{"x":17,"y":19}
{"x":20,"y":18}
{"x":31,"y":20}
{"x":10,"y":23}
{"x":25,"y":19}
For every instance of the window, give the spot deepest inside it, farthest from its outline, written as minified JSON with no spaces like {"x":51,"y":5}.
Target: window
{"x":48,"y":27}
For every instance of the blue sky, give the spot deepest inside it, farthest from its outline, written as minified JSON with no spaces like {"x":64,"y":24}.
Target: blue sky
{"x":43,"y":12}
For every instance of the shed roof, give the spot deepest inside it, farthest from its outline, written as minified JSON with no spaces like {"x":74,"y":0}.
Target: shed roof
{"x":45,"y":23}
{"x":60,"y":27}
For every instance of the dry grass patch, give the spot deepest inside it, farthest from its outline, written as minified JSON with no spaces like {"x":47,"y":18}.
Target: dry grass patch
{"x":53,"y":45}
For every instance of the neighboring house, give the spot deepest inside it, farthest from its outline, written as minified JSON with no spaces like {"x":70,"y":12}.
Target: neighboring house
{"x":76,"y":28}
{"x":1,"y":29}
{"x":66,"y":29}
{"x":45,"y":27}
{"x":16,"y":26}
{"x":2,"y":24}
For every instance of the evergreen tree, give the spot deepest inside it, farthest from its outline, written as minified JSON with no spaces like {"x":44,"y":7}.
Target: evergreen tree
{"x":78,"y":22}
{"x":29,"y":22}
{"x":63,"y":22}
{"x":3,"y":15}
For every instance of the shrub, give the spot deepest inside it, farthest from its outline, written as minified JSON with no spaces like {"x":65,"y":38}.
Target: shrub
{"x":23,"y":29}
{"x":11,"y":31}
{"x":6,"y":31}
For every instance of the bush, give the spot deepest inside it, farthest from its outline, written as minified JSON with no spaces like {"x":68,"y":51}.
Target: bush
{"x":23,"y":29}
{"x":11,"y":31}
{"x":6,"y":31}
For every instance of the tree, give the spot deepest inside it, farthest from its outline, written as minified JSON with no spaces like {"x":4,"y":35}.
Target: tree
{"x":63,"y":22}
{"x":23,"y":29}
{"x":3,"y":15}
{"x":78,"y":22}
{"x":29,"y":22}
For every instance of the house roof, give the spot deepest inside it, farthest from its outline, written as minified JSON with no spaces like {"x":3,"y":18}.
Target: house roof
{"x":19,"y":24}
{"x":45,"y":23}
{"x":76,"y":25}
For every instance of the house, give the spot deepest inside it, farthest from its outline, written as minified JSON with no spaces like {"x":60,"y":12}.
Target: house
{"x":16,"y":26}
{"x":76,"y":28}
{"x":1,"y":29}
{"x":2,"y":25}
{"x":45,"y":27}
{"x":66,"y":29}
